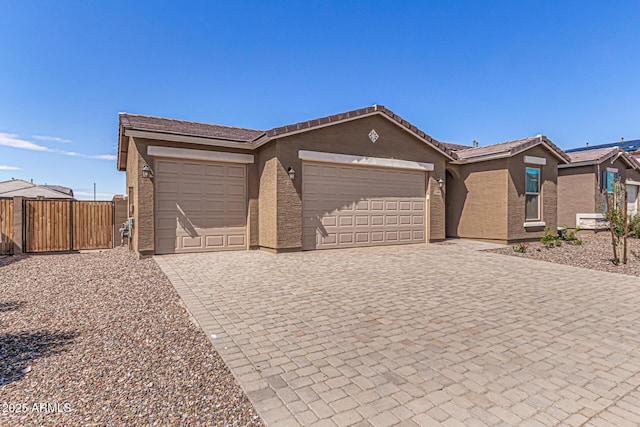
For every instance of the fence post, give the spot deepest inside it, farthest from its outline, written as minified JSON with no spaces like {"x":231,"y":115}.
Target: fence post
{"x":18,"y":234}
{"x":70,"y":225}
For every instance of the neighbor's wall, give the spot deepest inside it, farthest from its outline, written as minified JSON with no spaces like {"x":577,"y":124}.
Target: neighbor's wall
{"x":549,"y":195}
{"x":352,"y":138}
{"x":477,"y":201}
{"x":577,"y":190}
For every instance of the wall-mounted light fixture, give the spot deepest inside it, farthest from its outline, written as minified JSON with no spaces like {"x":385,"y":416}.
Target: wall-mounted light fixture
{"x":440,"y":182}
{"x":292,"y":173}
{"x":146,"y":171}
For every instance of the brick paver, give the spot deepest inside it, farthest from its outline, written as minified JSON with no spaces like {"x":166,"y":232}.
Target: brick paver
{"x":419,"y":334}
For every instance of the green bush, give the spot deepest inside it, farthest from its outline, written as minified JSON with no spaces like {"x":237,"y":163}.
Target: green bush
{"x":634,"y":227}
{"x":520,"y":248}
{"x":570,"y":236}
{"x":550,"y":238}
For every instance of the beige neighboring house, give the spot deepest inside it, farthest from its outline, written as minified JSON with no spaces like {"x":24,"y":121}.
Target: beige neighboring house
{"x":583,"y":183}
{"x":361,"y":178}
{"x":504,"y":192}
{"x":26,"y":189}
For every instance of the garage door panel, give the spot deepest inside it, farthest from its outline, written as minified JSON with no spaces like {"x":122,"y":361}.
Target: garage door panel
{"x":191,"y":169}
{"x":206,"y":213}
{"x":346,"y":206}
{"x":214,"y":170}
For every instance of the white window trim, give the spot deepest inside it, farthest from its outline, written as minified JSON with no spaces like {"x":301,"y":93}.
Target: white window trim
{"x":539,"y":194}
{"x":532,"y":160}
{"x":187,"y":153}
{"x":535,"y":224}
{"x":318,"y":156}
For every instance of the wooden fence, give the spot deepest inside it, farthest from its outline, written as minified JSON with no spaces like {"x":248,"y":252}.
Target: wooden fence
{"x":6,"y":226}
{"x":64,"y":225}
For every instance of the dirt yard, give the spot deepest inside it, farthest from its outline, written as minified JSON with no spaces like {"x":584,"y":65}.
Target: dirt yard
{"x":596,"y":253}
{"x":102,"y":338}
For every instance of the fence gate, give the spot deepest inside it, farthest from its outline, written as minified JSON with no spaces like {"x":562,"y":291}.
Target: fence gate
{"x":6,"y":226}
{"x":64,"y":225}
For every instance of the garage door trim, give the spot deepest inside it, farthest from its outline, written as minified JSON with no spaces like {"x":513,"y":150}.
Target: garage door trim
{"x":187,"y":153}
{"x":319,"y":156}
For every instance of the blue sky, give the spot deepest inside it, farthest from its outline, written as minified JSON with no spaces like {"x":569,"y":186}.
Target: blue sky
{"x":459,"y":70}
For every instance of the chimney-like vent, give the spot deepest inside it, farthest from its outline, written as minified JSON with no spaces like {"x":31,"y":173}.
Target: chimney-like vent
{"x":587,"y":144}
{"x":475,"y":144}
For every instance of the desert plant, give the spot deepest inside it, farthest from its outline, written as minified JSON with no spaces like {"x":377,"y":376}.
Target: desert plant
{"x":570,"y":236}
{"x":634,"y":226}
{"x":550,"y":239}
{"x":520,"y":248}
{"x":616,"y":214}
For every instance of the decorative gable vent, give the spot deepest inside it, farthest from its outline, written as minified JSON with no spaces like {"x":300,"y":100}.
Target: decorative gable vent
{"x":373,"y":136}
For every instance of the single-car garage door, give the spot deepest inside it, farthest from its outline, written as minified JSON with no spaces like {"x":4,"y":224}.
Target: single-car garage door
{"x":348,"y":206}
{"x":200,"y":206}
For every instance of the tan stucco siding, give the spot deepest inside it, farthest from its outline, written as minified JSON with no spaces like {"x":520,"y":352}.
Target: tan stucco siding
{"x":477,"y":201}
{"x":577,"y":187}
{"x":267,"y":202}
{"x":548,"y":197}
{"x":352,"y":138}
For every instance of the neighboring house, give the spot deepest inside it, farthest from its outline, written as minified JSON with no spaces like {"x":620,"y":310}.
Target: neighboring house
{"x":583,"y":183}
{"x":361,"y":178}
{"x":19,"y":187}
{"x":503,"y":192}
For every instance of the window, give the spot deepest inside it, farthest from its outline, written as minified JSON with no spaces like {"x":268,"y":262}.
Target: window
{"x":610,"y":178}
{"x":532,"y":194}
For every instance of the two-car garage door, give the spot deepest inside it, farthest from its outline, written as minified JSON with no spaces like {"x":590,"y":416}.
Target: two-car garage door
{"x":200,"y":206}
{"x":348,"y":206}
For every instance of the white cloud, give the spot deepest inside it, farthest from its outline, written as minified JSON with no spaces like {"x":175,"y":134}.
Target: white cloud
{"x":104,"y":157}
{"x":51,"y":138}
{"x":12,"y":140}
{"x":9,"y":168}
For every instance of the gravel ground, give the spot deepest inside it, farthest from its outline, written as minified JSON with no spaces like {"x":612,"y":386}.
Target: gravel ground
{"x":103,"y":339}
{"x":596,"y":253}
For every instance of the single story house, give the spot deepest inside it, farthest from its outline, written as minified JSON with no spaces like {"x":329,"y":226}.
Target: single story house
{"x":361,"y":178}
{"x":583,"y":183}
{"x":20,"y":187}
{"x":504,"y":192}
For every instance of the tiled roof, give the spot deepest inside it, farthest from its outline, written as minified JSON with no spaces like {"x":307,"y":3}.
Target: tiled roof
{"x":455,"y":147}
{"x":182,"y":127}
{"x":598,"y":155}
{"x":242,"y":135}
{"x":595,"y":155}
{"x":510,"y":147}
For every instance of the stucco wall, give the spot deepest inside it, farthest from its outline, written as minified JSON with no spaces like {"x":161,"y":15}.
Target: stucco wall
{"x":577,"y":187}
{"x":267,"y":202}
{"x":549,"y":195}
{"x":352,"y":138}
{"x":477,"y":200}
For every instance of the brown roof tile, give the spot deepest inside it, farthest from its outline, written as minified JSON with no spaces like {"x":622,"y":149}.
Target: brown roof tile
{"x":182,"y":127}
{"x":596,"y":155}
{"x":510,"y":147}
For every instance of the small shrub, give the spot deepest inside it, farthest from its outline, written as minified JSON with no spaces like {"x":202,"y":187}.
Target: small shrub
{"x":521,"y":248}
{"x":634,"y":226}
{"x":550,"y":239}
{"x":570,"y":237}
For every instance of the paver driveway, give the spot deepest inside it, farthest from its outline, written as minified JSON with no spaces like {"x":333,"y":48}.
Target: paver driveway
{"x":419,"y":335}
